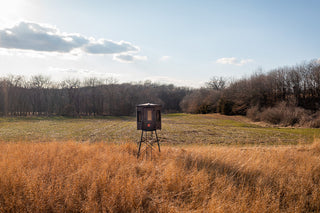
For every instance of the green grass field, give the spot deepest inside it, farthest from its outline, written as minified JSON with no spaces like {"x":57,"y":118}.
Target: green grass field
{"x":176,"y":129}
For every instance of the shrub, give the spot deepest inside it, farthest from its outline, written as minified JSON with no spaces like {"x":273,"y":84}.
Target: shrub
{"x":281,"y":114}
{"x":225,"y":107}
{"x":272,"y":115}
{"x":254,"y":113}
{"x":293,"y":115}
{"x":314,"y":121}
{"x":200,"y":101}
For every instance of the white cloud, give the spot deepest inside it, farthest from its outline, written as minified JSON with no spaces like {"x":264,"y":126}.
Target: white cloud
{"x":66,"y":70}
{"x":233,"y":61}
{"x":110,"y":47}
{"x":226,"y":60}
{"x":46,"y":38}
{"x":75,"y":54}
{"x":61,"y":73}
{"x":174,"y":81}
{"x":32,"y":36}
{"x":128,"y":58}
{"x":21,"y":53}
{"x":165,"y":58}
{"x":245,"y":61}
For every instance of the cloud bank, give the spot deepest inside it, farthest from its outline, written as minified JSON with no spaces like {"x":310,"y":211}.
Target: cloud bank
{"x":233,"y":61}
{"x":128,"y":58}
{"x":46,"y":38}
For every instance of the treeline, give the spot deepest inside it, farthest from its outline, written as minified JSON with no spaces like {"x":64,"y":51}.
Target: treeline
{"x":287,"y":95}
{"x":91,"y":97}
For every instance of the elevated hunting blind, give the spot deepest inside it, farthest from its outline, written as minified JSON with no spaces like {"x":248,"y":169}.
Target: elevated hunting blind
{"x":148,"y":120}
{"x":148,"y":117}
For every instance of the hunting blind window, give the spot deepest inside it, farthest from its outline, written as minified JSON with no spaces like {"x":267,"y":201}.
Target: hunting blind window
{"x":149,"y":116}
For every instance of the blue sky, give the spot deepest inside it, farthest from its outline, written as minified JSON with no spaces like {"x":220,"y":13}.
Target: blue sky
{"x":180,"y":42}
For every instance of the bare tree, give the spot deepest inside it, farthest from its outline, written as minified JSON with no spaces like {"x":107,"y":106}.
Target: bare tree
{"x":217,"y":83}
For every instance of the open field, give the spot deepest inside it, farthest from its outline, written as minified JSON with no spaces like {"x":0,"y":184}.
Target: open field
{"x":100,"y":177}
{"x":177,"y":129}
{"x":52,"y":165}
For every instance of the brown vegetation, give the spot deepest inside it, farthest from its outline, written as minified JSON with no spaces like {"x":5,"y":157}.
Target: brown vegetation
{"x":99,"y":177}
{"x":285,"y":115}
{"x":91,"y":97}
{"x":296,"y":89}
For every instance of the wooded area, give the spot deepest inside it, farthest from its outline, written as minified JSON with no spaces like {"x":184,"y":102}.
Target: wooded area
{"x":92,"y":97}
{"x":278,"y":94}
{"x":295,"y":88}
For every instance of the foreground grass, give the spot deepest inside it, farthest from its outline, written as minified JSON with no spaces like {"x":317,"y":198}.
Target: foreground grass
{"x":177,"y":129}
{"x":101,"y":177}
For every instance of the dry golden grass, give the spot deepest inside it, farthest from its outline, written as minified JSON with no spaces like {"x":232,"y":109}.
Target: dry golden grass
{"x":100,"y":177}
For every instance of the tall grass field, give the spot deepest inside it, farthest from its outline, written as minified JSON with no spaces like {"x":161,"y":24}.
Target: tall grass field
{"x":221,"y":164}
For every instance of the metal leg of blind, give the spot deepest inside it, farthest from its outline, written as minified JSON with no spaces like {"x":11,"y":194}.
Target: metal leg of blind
{"x":148,"y":141}
{"x":157,"y":140}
